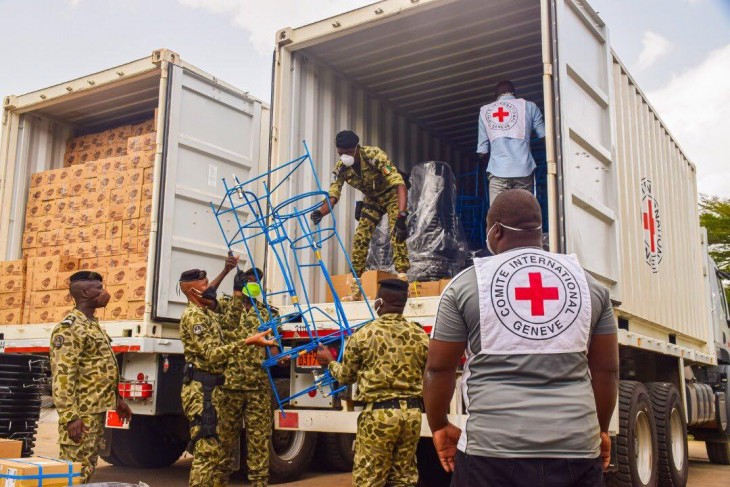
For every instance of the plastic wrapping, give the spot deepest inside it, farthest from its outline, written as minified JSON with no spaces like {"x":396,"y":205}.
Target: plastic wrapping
{"x":436,"y":244}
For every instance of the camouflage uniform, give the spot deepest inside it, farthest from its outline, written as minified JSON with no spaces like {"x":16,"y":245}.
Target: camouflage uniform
{"x":377,"y":180}
{"x":247,"y":391}
{"x":85,"y":378}
{"x":202,"y":338}
{"x":386,"y":358}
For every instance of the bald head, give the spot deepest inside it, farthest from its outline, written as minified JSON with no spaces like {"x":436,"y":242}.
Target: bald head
{"x":514,"y":220}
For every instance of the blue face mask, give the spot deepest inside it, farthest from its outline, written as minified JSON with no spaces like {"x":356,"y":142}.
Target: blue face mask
{"x":489,"y":247}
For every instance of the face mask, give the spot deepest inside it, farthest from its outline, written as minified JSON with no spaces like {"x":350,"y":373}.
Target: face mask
{"x":252,"y":289}
{"x":377,"y":305}
{"x":347,"y":160}
{"x":489,"y":247}
{"x":209,"y":294}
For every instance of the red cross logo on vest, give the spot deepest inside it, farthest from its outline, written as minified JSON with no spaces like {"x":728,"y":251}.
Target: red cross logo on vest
{"x":500,"y":114}
{"x":536,"y":294}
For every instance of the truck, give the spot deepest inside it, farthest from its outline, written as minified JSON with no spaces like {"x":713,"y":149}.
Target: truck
{"x":410,"y":76}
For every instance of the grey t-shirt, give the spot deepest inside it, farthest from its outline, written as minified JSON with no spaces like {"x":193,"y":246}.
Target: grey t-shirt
{"x":523,"y":406}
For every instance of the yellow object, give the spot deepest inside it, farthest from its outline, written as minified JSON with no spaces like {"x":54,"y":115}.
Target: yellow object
{"x":12,"y":471}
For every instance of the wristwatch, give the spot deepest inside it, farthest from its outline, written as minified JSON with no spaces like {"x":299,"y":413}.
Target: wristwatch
{"x":403,"y":214}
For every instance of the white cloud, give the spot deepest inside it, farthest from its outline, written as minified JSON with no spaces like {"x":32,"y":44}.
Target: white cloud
{"x":695,"y":105}
{"x":655,"y":47}
{"x":262,"y":18}
{"x":74,"y":3}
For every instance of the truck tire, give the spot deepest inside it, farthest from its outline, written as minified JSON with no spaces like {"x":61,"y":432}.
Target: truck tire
{"x":636,"y":443}
{"x":671,"y":428}
{"x":291,"y":451}
{"x":430,"y":471}
{"x":718,"y":451}
{"x":150,"y":442}
{"x":336,"y":449}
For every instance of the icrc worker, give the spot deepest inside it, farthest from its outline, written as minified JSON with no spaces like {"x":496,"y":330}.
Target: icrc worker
{"x":540,"y":379}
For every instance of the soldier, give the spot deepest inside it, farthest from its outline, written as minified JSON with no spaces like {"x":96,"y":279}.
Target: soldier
{"x":369,"y":170}
{"x":386,"y":358}
{"x":247,"y":388}
{"x":85,"y":375}
{"x":206,"y":357}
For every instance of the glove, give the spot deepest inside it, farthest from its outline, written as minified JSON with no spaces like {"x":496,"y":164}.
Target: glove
{"x":238,"y":280}
{"x":400,"y":230}
{"x":316,"y":217}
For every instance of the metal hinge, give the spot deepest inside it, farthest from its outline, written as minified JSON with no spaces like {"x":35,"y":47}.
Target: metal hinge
{"x":547,"y":68}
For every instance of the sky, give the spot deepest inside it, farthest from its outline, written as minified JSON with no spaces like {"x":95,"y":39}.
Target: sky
{"x":677,"y":50}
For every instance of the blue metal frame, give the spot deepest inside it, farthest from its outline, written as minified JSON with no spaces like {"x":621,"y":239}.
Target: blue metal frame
{"x":257,"y":216}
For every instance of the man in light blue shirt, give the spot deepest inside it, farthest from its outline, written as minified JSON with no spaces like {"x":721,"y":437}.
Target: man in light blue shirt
{"x":505,"y":129}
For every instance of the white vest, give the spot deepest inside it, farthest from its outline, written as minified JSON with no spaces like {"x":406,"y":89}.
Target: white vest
{"x":504,"y":118}
{"x":533,"y":302}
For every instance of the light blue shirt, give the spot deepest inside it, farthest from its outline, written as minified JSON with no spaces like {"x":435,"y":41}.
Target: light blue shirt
{"x":512,"y":158}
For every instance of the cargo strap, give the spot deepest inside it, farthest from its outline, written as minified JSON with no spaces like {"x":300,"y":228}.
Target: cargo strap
{"x":208,"y":419}
{"x":40,"y":477}
{"x":368,"y":206}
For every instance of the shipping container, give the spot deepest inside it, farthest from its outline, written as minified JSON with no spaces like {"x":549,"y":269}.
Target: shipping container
{"x":206,"y":130}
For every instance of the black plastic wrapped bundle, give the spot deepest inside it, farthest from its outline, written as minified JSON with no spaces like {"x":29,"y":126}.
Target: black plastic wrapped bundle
{"x":22,"y":380}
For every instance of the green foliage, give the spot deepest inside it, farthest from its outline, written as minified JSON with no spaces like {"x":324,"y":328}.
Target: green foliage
{"x":715,"y":217}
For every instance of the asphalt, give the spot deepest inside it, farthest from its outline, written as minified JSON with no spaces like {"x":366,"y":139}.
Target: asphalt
{"x":702,"y":473}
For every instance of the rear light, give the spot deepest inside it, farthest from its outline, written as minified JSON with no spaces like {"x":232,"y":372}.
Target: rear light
{"x":138,"y":390}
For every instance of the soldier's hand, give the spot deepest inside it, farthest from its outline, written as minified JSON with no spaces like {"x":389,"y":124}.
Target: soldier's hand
{"x":324,"y":356}
{"x":316,"y":217}
{"x":231,"y":262}
{"x":76,"y":430}
{"x":605,"y":450}
{"x":123,"y":409}
{"x":400,"y":230}
{"x":445,"y":440}
{"x":260,"y":340}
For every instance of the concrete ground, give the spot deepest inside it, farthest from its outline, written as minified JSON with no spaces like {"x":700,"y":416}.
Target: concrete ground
{"x":702,"y":473}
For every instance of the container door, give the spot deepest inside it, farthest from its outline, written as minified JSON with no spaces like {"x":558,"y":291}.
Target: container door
{"x":212,"y":132}
{"x":588,"y":179}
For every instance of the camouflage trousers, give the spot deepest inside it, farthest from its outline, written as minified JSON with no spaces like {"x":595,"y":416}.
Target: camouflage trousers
{"x":385,"y":448}
{"x":372,"y":212}
{"x":210,"y":460}
{"x":87,"y":450}
{"x":252,"y":409}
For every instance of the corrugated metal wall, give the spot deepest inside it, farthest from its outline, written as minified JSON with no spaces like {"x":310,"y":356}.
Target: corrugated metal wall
{"x":663,"y":288}
{"x":325,"y":103}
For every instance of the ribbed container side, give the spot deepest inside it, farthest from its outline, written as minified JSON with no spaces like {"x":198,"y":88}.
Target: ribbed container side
{"x":660,"y":234}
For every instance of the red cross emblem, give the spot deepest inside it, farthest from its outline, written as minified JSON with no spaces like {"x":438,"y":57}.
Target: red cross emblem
{"x":650,"y":224}
{"x":536,"y":294}
{"x":501,"y":114}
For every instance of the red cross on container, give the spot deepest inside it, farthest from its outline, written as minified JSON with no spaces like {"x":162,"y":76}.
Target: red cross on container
{"x":536,"y":294}
{"x":500,"y":114}
{"x":650,"y":224}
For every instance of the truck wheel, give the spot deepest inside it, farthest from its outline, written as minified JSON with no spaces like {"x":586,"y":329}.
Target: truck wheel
{"x":150,"y":442}
{"x":337,"y":451}
{"x":718,"y":451}
{"x":430,"y":471}
{"x":636,"y":443}
{"x":291,"y":451}
{"x":671,"y":428}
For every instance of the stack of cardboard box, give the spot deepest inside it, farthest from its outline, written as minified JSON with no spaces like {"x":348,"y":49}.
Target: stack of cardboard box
{"x":92,"y":214}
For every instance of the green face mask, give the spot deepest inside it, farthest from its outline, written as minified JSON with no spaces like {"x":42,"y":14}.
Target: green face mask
{"x":252,"y":289}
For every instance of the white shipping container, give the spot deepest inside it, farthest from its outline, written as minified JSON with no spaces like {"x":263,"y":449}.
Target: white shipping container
{"x":410,"y":77}
{"x":206,"y":130}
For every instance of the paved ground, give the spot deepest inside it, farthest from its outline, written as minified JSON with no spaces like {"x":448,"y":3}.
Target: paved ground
{"x":702,"y":474}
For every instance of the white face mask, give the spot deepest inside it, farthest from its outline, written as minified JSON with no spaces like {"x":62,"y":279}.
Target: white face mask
{"x":489,"y":247}
{"x":347,"y":160}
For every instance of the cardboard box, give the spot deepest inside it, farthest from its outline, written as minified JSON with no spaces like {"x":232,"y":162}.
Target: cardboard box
{"x":44,"y":282}
{"x":142,"y":128}
{"x":145,"y":211}
{"x":30,"y":240}
{"x":138,"y":271}
{"x":44,"y":315}
{"x":119,"y":292}
{"x":424,"y":289}
{"x":31,"y":225}
{"x":136,"y":291}
{"x":117,"y":276}
{"x":130,"y":245}
{"x":12,"y":267}
{"x":30,"y":467}
{"x":141,"y":159}
{"x":77,"y":173}
{"x":10,"y":448}
{"x":33,"y":210}
{"x":149,"y":175}
{"x":117,"y":212}
{"x":442,"y":285}
{"x":129,"y":228}
{"x":113,"y":229}
{"x":68,"y":264}
{"x":48,"y":192}
{"x":11,"y":317}
{"x":135,"y":177}
{"x":36,"y":180}
{"x":369,"y":282}
{"x":63,"y":299}
{"x":144,"y":226}
{"x":135,"y":310}
{"x":96,"y":216}
{"x":82,"y":157}
{"x":143,"y":245}
{"x":76,"y":188}
{"x":147,"y":189}
{"x":11,"y":300}
{"x":11,"y":284}
{"x":46,"y":265}
{"x":63,"y":279}
{"x":114,"y":261}
{"x":119,"y":180}
{"x":116,"y":311}
{"x":42,"y":299}
{"x":132,"y":210}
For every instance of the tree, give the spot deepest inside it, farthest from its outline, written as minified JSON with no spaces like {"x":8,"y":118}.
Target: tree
{"x":715,"y":217}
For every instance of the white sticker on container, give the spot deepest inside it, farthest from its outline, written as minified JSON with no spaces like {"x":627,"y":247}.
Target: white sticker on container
{"x":11,"y":482}
{"x":212,"y":175}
